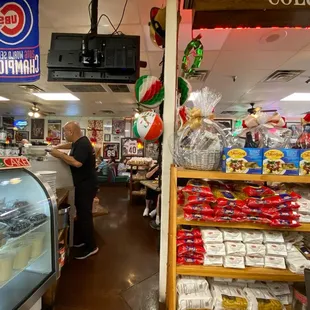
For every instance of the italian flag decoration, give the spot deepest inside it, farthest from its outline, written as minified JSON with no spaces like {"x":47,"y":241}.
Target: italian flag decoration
{"x":184,"y":88}
{"x":149,"y":91}
{"x":148,"y":126}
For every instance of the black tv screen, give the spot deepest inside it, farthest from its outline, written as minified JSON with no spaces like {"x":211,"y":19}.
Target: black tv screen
{"x":94,"y":58}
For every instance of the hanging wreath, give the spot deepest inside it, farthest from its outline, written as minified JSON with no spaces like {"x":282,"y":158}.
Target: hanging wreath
{"x":194,"y":48}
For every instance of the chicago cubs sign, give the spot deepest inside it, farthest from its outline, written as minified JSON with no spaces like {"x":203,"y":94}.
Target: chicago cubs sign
{"x":19,"y":41}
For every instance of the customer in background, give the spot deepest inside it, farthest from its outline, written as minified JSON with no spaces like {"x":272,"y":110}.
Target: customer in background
{"x":151,"y":195}
{"x":82,"y":162}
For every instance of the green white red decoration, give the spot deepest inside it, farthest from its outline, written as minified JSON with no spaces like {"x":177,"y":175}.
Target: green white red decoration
{"x":184,"y":88}
{"x":149,"y":91}
{"x":148,"y":126}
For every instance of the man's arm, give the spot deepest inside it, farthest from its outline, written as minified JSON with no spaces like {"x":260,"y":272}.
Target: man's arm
{"x":65,"y":146}
{"x":70,"y":160}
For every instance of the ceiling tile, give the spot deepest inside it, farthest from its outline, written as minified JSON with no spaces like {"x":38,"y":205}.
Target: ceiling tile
{"x":212,"y":40}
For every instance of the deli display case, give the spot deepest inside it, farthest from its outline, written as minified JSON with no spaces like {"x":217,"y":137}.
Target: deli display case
{"x":28,"y":235}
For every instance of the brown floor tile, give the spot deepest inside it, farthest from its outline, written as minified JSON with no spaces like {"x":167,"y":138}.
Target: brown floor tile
{"x":128,"y":255}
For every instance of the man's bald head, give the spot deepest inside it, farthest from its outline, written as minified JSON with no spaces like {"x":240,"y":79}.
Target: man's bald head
{"x":72,"y":131}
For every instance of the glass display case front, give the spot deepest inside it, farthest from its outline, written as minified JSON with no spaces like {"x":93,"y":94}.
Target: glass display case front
{"x":27,"y":239}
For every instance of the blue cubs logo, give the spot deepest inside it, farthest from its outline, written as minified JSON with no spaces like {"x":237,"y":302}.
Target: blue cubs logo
{"x":16,"y":22}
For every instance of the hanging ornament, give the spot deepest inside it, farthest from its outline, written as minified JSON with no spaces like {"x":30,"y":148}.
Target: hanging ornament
{"x":194,"y":48}
{"x":148,"y":126}
{"x":149,"y":91}
{"x":184,"y":88}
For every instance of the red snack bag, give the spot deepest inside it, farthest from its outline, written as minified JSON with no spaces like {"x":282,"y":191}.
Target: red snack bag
{"x":188,"y":234}
{"x":204,"y":209}
{"x":257,"y":190}
{"x":195,"y":241}
{"x":184,"y":249}
{"x":197,"y":217}
{"x":257,"y":219}
{"x":189,"y":261}
{"x":228,"y":212}
{"x":198,"y":186}
{"x":270,"y":201}
{"x":288,"y":206}
{"x":284,"y":223}
{"x":229,"y":219}
{"x":227,"y":198}
{"x":198,"y":199}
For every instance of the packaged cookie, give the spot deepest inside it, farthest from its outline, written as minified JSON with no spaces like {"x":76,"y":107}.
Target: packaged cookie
{"x":213,"y":260}
{"x":191,"y":285}
{"x":273,"y":237}
{"x":211,"y":235}
{"x":254,"y":261}
{"x":215,"y":249}
{"x":235,"y":248}
{"x":195,"y":301}
{"x":234,"y":262}
{"x":279,"y":288}
{"x":199,"y":186}
{"x":232,"y":235}
{"x":252,"y":236}
{"x":257,"y":250}
{"x":188,"y":233}
{"x":275,"y":262}
{"x":228,"y":297}
{"x":276,"y":249}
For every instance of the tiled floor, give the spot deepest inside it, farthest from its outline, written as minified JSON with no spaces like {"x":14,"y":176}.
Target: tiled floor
{"x":124,"y":274}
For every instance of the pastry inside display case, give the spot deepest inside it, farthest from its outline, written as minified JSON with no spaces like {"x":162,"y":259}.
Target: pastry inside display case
{"x":27,"y":248}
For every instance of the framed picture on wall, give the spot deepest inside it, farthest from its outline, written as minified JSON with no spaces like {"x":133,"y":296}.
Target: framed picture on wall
{"x":296,"y":128}
{"x":131,"y":147}
{"x":54,"y":129}
{"x":151,"y":150}
{"x":107,"y":137}
{"x":110,"y":150}
{"x":20,"y":135}
{"x":8,"y":121}
{"x":226,"y":123}
{"x":37,"y":128}
{"x":10,"y":134}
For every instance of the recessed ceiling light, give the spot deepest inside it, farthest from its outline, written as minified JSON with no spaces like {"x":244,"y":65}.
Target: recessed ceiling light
{"x":4,"y":99}
{"x":297,"y":97}
{"x":57,"y":96}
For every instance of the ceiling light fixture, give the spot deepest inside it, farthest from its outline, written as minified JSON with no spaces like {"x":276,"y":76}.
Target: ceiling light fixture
{"x":36,"y":114}
{"x":297,"y":97}
{"x":57,"y":96}
{"x":137,"y":115}
{"x":4,"y":99}
{"x":30,"y":113}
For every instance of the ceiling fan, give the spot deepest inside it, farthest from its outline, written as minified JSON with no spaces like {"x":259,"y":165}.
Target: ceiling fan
{"x":253,"y":110}
{"x":36,"y":112}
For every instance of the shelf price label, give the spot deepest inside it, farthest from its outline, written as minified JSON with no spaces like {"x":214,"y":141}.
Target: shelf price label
{"x":14,"y":162}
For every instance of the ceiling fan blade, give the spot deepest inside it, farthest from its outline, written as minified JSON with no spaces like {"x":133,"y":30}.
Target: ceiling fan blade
{"x":266,"y":111}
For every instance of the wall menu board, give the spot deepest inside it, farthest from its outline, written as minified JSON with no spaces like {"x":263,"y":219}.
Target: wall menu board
{"x":110,"y":150}
{"x":130,"y":148}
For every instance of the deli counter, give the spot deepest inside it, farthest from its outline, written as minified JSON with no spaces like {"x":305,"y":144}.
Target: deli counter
{"x":28,"y":235}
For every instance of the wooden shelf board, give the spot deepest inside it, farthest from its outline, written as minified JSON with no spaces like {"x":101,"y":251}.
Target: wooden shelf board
{"x":247,"y":273}
{"x":181,"y":221}
{"x":218,"y":175}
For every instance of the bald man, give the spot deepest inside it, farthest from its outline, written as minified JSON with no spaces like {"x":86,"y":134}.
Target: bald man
{"x":82,"y":162}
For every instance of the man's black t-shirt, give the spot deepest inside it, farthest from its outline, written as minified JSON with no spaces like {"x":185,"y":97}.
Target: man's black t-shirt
{"x":83,"y":152}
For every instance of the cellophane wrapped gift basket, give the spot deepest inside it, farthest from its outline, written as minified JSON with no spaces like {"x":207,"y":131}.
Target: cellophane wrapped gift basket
{"x":199,"y":142}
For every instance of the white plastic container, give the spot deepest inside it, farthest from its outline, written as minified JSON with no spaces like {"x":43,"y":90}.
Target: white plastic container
{"x":37,"y":241}
{"x":22,"y":252}
{"x":6,"y":266}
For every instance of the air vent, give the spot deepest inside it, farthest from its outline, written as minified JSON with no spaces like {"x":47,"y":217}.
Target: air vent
{"x":283,"y":75}
{"x":229,"y":112}
{"x":31,"y":88}
{"x":119,"y":88}
{"x":90,"y":88}
{"x":199,"y":76}
{"x":107,"y":112}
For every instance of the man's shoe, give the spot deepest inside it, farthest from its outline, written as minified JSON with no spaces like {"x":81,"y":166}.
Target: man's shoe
{"x":87,"y":253}
{"x":78,"y":245}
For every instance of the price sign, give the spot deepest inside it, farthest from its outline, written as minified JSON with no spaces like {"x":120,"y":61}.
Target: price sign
{"x":130,"y":147}
{"x":110,"y":150}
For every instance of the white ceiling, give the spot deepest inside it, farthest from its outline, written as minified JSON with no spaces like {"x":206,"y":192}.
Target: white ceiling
{"x":241,"y":53}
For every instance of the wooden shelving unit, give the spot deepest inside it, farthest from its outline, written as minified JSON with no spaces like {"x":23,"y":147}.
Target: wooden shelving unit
{"x":132,"y":180}
{"x":176,"y":219}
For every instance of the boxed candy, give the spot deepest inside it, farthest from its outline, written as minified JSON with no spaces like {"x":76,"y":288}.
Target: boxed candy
{"x":281,"y":161}
{"x":304,"y":164}
{"x":247,"y":160}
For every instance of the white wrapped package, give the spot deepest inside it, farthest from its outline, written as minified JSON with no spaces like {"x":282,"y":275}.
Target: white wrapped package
{"x":216,"y":249}
{"x":296,"y":262}
{"x":195,"y":301}
{"x":261,"y":299}
{"x":226,"y":280}
{"x":279,"y":288}
{"x":234,"y":262}
{"x":275,"y":262}
{"x":257,"y":250}
{"x":191,"y":285}
{"x":235,"y":248}
{"x":211,"y":235}
{"x":304,"y":206}
{"x":253,"y":261}
{"x":213,"y":260}
{"x":285,"y":299}
{"x":304,"y":218}
{"x":232,"y":235}
{"x":276,"y":249}
{"x":258,"y":284}
{"x":273,"y":237}
{"x":228,"y":297}
{"x":252,"y":236}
